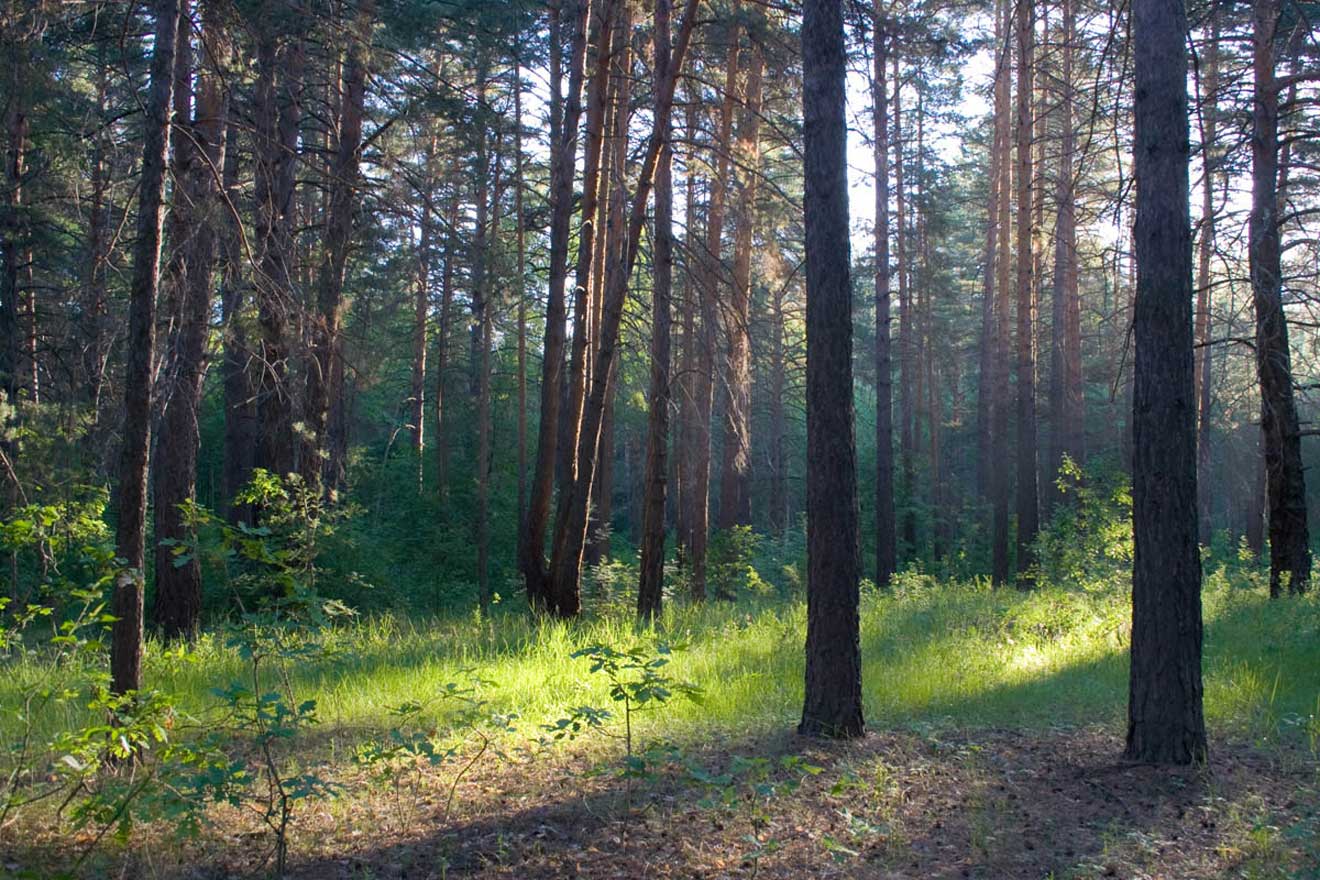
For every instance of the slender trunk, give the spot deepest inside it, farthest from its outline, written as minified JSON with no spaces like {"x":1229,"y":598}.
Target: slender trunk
{"x":571,"y":519}
{"x":597,"y":106}
{"x":907,"y":349}
{"x":886,"y":537}
{"x":1066,"y":432}
{"x":1290,"y":554}
{"x":651,"y":581}
{"x":278,"y":113}
{"x":200,"y":149}
{"x":421,"y":310}
{"x":131,"y":501}
{"x":487,"y":221}
{"x":239,"y":397}
{"x":531,"y":544}
{"x":1028,"y":511}
{"x":736,"y":476}
{"x":1205,"y":251}
{"x":521,"y":289}
{"x":96,"y":351}
{"x":686,"y":379}
{"x":442,"y":351}
{"x":999,"y":483}
{"x":325,"y":387}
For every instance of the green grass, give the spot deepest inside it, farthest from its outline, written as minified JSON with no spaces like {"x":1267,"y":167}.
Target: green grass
{"x":933,"y":653}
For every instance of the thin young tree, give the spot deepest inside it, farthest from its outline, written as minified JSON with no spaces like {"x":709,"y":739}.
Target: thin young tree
{"x":886,"y":550}
{"x":832,"y":704}
{"x":1028,"y":502}
{"x":650,"y":585}
{"x":1165,"y":717}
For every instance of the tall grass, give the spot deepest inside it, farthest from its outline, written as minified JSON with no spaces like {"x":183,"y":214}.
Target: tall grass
{"x":955,"y":654}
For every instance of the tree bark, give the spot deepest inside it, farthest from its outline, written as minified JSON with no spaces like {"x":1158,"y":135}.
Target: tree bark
{"x":531,"y":544}
{"x":886,"y":537}
{"x":907,"y":348}
{"x":832,"y":705}
{"x":1205,"y":251}
{"x":131,"y":500}
{"x":1165,"y":721}
{"x":324,"y":465}
{"x":651,"y":580}
{"x":736,"y":475}
{"x":279,"y":88}
{"x":1290,"y":554}
{"x":198,"y":210}
{"x":1028,"y":510}
{"x":999,"y":483}
{"x":571,"y":518}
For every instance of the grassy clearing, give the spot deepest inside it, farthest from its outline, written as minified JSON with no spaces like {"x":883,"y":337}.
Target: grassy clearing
{"x":935,"y":654}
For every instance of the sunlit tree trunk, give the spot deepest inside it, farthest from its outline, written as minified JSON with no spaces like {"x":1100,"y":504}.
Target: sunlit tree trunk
{"x":1028,"y":511}
{"x":1002,"y":159}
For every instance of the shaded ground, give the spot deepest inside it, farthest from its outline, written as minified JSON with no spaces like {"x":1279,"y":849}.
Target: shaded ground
{"x":916,"y":804}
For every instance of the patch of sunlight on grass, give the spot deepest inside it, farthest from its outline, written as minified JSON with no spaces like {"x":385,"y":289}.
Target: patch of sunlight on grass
{"x":950,"y":653}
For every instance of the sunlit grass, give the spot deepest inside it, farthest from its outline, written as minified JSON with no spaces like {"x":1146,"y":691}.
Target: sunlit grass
{"x":934,"y":653}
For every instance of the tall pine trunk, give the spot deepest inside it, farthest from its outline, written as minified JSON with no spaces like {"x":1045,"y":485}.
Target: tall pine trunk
{"x":131,"y":491}
{"x":886,"y":550}
{"x":832,"y":704}
{"x":1028,"y":511}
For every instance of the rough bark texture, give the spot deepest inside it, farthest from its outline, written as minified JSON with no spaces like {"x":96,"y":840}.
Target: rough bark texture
{"x":199,"y":211}
{"x":832,"y":705}
{"x":1165,"y":721}
{"x":886,"y":538}
{"x":1290,"y":554}
{"x":651,"y":580}
{"x":1028,"y":510}
{"x":131,"y":492}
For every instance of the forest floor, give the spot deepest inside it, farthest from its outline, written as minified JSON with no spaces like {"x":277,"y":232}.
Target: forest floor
{"x":996,"y":722}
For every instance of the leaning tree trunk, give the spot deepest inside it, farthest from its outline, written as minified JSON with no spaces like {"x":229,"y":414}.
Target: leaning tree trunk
{"x":832,"y":705}
{"x":651,"y":581}
{"x":886,"y":538}
{"x":1290,"y":554}
{"x":199,"y":209}
{"x":131,"y":500}
{"x":1165,"y":721}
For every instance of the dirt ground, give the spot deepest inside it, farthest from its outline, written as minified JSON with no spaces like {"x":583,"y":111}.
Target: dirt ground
{"x":912,"y":804}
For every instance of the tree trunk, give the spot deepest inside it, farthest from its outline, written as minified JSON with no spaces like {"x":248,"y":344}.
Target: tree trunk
{"x":1028,"y":511}
{"x":531,"y":544}
{"x":886,"y":549}
{"x":279,"y":90}
{"x":907,"y":349}
{"x":736,"y":475}
{"x":651,"y":581}
{"x":131,"y":500}
{"x":1206,"y":246}
{"x":1290,"y":554}
{"x":1165,"y":722}
{"x":832,"y":705}
{"x":199,"y":210}
{"x":239,"y":396}
{"x":1067,"y":430}
{"x":422,"y":310}
{"x":521,"y":289}
{"x":999,"y":483}
{"x":325,"y":388}
{"x":571,"y":518}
